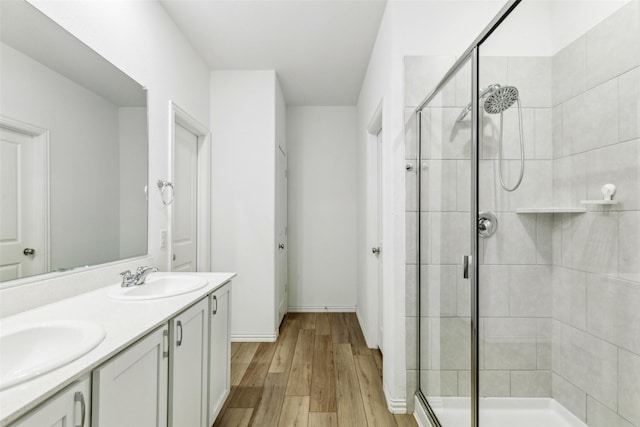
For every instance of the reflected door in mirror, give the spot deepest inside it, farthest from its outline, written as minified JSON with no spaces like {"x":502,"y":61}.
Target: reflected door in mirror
{"x":23,"y":211}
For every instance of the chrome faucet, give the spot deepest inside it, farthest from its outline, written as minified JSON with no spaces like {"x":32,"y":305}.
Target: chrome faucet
{"x":129,"y":279}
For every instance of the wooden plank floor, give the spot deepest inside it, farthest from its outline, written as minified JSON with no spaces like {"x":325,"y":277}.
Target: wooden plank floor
{"x":320,"y":373}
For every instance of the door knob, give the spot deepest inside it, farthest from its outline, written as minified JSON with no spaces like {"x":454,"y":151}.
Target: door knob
{"x":29,"y":251}
{"x":281,"y":245}
{"x":375,"y":250}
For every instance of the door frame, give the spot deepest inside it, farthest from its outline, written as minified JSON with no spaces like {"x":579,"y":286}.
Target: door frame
{"x":282,"y":196}
{"x":179,"y":116}
{"x":375,"y":300}
{"x":42,"y":137}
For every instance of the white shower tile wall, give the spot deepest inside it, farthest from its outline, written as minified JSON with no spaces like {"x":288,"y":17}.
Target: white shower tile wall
{"x":596,"y":271}
{"x":558,"y":292}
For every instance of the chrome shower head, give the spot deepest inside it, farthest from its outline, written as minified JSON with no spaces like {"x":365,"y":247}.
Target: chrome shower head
{"x":500,"y":99}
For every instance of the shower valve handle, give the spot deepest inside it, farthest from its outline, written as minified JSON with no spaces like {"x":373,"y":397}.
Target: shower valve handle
{"x":487,"y":224}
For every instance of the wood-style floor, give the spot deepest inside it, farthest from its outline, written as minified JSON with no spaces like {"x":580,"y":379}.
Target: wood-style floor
{"x":319,"y":373}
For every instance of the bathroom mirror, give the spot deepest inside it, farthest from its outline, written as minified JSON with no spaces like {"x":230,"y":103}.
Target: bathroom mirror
{"x":73,"y":151}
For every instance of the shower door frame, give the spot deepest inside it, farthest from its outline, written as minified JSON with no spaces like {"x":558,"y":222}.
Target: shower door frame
{"x":470,"y":54}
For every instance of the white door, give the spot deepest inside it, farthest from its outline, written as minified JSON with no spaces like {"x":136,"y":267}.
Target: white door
{"x":188,"y":367}
{"x":185,"y":200}
{"x":23,"y":207}
{"x":130,"y":390}
{"x":68,"y":408}
{"x":376,"y":250}
{"x":281,"y":237}
{"x":219,"y":350}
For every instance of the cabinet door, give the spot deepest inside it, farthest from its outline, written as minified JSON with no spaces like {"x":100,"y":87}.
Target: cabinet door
{"x":219,"y":350}
{"x":188,"y":367}
{"x":68,"y":408}
{"x":130,"y":390}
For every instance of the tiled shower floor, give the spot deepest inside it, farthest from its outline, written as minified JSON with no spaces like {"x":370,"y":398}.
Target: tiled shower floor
{"x":505,"y":412}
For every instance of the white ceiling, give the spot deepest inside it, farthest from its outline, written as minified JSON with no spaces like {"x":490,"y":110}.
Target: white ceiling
{"x":320,"y":49}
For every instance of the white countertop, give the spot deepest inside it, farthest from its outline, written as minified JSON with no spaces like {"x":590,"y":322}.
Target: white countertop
{"x":124,"y":322}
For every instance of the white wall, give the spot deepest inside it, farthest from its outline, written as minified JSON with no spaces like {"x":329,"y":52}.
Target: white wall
{"x":141,"y":40}
{"x":571,"y":19}
{"x":375,"y":88}
{"x":243,"y":129}
{"x":322,"y":208}
{"x":134,"y":148}
{"x":542,"y":28}
{"x":83,"y":125}
{"x":281,"y":118}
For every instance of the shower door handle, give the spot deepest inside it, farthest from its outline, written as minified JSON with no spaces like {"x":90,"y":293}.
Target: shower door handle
{"x":466,"y":262}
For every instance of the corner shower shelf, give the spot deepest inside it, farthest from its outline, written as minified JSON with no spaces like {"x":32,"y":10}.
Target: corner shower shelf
{"x":550,"y":210}
{"x":599,"y":202}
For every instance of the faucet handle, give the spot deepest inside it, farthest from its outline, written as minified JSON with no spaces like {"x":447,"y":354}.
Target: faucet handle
{"x":126,"y":277}
{"x":141,"y":270}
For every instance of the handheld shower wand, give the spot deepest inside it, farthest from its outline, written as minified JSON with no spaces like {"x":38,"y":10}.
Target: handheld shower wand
{"x":497,"y":99}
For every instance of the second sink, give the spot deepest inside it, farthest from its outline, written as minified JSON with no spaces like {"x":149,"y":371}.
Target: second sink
{"x":159,"y":287}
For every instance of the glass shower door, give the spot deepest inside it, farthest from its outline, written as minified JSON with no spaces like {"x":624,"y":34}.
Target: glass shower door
{"x":444,"y":208}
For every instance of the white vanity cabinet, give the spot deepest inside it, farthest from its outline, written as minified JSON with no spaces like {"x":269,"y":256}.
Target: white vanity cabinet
{"x":164,"y":362}
{"x":163,"y":379}
{"x":68,"y":408}
{"x":130,"y":390}
{"x":188,"y":371}
{"x":219,"y":350}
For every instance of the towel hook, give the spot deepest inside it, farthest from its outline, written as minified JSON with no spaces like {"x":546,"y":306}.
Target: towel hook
{"x":163,"y":185}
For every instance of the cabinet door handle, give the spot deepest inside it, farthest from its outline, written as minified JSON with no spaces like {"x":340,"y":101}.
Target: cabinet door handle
{"x":179,"y":326}
{"x":79,"y":397}
{"x":215,"y":304}
{"x":165,"y":339}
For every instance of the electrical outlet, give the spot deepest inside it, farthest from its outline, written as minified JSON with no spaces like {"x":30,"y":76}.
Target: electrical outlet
{"x":163,"y":239}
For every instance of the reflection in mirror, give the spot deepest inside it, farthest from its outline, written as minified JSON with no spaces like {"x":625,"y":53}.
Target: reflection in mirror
{"x":73,"y":151}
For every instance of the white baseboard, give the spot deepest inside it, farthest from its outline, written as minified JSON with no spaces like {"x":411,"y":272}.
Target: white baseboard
{"x":370,"y":343}
{"x":320,"y":309}
{"x":254,"y":338}
{"x":395,"y":406}
{"x":420,"y":415}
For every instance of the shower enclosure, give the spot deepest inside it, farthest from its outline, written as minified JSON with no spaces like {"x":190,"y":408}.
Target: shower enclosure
{"x":528,"y":307}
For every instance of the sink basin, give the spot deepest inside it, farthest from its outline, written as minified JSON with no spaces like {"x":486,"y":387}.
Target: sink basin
{"x":31,"y":350}
{"x":160,"y":287}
